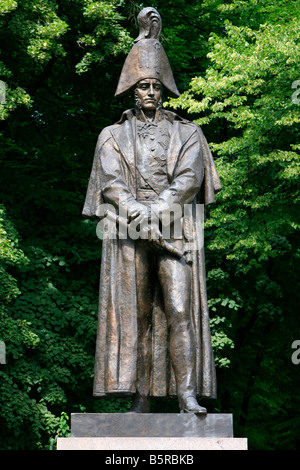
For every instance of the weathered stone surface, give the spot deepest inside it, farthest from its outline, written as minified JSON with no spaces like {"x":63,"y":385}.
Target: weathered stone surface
{"x":150,"y":443}
{"x":151,"y":425}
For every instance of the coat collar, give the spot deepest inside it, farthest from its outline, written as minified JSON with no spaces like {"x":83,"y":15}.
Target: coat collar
{"x":130,"y":113}
{"x":124,"y":135}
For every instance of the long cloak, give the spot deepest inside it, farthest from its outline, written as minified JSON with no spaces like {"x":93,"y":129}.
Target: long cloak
{"x":116,"y":342}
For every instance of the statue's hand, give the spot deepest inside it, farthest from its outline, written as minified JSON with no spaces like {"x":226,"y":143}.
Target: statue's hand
{"x":141,"y":214}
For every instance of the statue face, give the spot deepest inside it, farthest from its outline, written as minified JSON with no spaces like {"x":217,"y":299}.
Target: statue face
{"x":149,"y":92}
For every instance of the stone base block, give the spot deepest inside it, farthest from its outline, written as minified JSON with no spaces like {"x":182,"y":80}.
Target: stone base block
{"x":151,"y":431}
{"x":150,"y":443}
{"x":151,"y":425}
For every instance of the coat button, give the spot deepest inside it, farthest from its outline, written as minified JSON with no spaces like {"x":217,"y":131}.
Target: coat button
{"x":173,"y":193}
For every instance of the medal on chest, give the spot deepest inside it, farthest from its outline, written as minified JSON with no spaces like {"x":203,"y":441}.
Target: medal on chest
{"x":155,"y":140}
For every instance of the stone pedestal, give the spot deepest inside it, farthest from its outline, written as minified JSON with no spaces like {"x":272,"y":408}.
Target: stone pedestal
{"x":151,"y":431}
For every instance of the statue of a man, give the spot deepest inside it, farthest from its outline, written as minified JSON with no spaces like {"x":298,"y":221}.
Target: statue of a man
{"x":153,"y":334}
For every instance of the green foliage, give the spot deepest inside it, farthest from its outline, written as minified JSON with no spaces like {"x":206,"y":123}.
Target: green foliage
{"x":10,"y":256}
{"x":105,"y":19}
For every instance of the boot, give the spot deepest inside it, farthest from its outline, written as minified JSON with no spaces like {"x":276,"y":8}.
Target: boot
{"x":190,"y":405}
{"x":140,"y":404}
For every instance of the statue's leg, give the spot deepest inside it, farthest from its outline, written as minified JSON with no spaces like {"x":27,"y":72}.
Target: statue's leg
{"x":144,"y":293}
{"x":175,"y":279}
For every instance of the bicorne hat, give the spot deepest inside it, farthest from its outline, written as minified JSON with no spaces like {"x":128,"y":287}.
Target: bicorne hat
{"x":147,"y":58}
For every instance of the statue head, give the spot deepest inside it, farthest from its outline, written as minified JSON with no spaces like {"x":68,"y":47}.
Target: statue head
{"x":148,"y":94}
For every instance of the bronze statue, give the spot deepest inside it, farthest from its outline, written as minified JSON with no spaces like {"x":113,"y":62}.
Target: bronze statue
{"x":153,"y":334}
